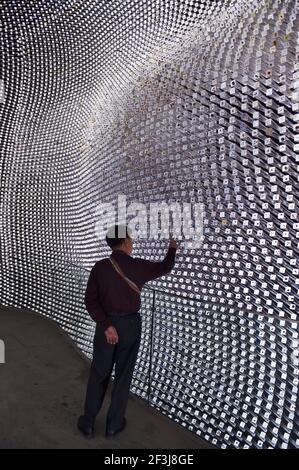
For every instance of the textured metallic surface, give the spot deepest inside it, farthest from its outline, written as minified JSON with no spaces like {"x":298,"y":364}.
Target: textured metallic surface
{"x":164,"y":100}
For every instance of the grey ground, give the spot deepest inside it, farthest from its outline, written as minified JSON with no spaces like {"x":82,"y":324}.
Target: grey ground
{"x":42,"y":388}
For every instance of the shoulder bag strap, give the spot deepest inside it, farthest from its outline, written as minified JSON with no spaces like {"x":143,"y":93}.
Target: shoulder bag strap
{"x":118,"y":269}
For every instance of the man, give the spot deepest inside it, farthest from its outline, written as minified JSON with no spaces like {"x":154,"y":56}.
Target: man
{"x":114,"y":305}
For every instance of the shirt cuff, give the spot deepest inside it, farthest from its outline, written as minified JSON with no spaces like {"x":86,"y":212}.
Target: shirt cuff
{"x":105,"y":324}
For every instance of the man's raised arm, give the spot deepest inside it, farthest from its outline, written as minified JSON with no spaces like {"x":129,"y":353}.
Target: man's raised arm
{"x":154,"y":269}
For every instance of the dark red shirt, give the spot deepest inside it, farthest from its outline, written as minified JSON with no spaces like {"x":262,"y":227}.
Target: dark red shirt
{"x":107,"y":291}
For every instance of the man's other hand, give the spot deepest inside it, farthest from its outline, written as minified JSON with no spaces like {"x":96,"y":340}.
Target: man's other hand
{"x":111,"y":335}
{"x":173,"y":243}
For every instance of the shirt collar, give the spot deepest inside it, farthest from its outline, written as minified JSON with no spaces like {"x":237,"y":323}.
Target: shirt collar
{"x":119,"y":252}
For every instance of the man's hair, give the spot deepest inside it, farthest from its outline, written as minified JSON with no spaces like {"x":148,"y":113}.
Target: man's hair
{"x":116,"y":235}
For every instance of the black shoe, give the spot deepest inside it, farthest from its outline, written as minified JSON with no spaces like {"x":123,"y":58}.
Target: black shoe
{"x":86,"y":431}
{"x":110,"y":433}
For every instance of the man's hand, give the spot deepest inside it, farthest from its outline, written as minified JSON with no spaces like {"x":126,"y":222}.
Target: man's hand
{"x":173,"y":244}
{"x":111,"y":335}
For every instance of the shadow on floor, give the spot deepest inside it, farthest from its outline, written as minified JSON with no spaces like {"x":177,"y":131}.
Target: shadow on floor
{"x":43,"y":383}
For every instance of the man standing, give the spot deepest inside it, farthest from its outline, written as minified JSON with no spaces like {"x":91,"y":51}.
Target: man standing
{"x":112,"y":299}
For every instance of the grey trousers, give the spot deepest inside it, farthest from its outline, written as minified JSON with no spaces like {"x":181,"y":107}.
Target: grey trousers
{"x":124,"y":355}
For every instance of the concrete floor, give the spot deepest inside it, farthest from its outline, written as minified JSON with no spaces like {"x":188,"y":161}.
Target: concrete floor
{"x":43,"y":383}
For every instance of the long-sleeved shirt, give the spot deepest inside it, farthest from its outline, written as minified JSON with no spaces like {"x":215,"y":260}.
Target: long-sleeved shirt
{"x":107,"y":291}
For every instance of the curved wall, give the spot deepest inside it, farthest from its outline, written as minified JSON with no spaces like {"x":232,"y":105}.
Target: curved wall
{"x":163,"y":101}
